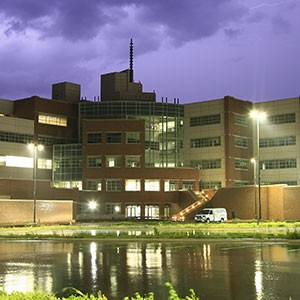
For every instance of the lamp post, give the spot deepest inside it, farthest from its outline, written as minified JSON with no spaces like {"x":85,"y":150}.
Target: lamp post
{"x":35,"y":148}
{"x":253,"y":161}
{"x":258,"y":116}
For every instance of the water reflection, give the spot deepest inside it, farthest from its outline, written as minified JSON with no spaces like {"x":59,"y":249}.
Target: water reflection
{"x":258,"y":280}
{"x":213,"y":270}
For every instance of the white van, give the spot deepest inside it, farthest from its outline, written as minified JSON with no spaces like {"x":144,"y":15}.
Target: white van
{"x":211,"y":215}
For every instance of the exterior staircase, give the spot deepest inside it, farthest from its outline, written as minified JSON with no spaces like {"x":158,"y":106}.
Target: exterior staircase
{"x":200,"y":199}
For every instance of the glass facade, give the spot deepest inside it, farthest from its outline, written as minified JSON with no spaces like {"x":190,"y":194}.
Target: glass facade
{"x":67,"y":165}
{"x":163,"y":127}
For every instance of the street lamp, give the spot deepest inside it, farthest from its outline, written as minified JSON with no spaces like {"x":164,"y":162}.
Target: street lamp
{"x":253,"y":161}
{"x":258,"y":116}
{"x":35,"y":148}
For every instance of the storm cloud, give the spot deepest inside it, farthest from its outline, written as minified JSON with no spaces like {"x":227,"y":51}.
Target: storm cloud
{"x":43,"y":42}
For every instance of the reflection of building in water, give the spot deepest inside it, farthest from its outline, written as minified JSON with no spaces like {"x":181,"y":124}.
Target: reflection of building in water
{"x":33,"y":256}
{"x":123,"y":268}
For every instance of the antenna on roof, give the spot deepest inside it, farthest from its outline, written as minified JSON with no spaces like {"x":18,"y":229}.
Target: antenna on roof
{"x":131,"y":61}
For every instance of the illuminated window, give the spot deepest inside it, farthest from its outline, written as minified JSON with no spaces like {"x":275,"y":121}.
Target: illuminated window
{"x":44,"y":163}
{"x":52,"y":120}
{"x":170,"y":185}
{"x":68,"y":184}
{"x":133,"y":185}
{"x":152,"y":185}
{"x":151,"y":211}
{"x":133,"y":161}
{"x":133,"y":211}
{"x":16,"y":161}
{"x":113,"y":161}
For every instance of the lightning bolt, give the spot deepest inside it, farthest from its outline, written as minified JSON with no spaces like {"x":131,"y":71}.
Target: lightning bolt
{"x":272,"y":4}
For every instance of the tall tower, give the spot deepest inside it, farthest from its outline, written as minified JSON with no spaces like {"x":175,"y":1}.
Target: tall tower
{"x":131,"y":61}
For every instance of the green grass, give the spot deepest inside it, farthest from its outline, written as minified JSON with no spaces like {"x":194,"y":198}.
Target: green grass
{"x":75,"y":294}
{"x":160,"y":230}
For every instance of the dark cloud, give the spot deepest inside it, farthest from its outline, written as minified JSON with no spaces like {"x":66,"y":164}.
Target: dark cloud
{"x":82,"y":20}
{"x":189,"y":20}
{"x":76,"y":40}
{"x":232,"y":33}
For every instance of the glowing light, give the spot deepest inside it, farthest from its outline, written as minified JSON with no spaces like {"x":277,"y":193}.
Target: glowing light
{"x":92,"y":205}
{"x":259,"y":115}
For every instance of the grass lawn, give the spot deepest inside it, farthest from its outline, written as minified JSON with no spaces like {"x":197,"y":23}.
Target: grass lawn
{"x":157,"y":229}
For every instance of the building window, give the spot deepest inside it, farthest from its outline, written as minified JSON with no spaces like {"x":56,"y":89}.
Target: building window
{"x":205,"y":120}
{"x":241,"y":164}
{"x":113,"y":137}
{"x":133,"y":161}
{"x":241,"y":142}
{"x":16,"y":137}
{"x":282,"y":119}
{"x":278,"y":164}
{"x":152,"y":212}
{"x":188,"y":185}
{"x":133,"y":211}
{"x":290,"y":182}
{"x":133,"y":137}
{"x":241,"y":183}
{"x":16,"y":161}
{"x":113,"y":161}
{"x":206,"y":164}
{"x":152,"y":185}
{"x":94,"y":184}
{"x":94,"y":137}
{"x":209,"y":185}
{"x":68,"y":184}
{"x":113,"y":185}
{"x":113,"y":208}
{"x":133,"y":185}
{"x":170,"y":185}
{"x":240,"y":120}
{"x":167,"y":210}
{"x":206,"y":142}
{"x":94,"y":161}
{"x":52,"y":120}
{"x":44,"y":163}
{"x":277,"y":141}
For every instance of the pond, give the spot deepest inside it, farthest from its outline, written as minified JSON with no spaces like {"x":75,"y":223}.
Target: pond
{"x":215,"y":270}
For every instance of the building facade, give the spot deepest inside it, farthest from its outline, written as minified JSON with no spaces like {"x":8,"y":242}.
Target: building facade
{"x":129,"y":156}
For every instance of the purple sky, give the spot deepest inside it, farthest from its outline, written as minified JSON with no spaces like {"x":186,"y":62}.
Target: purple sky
{"x":189,"y":49}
